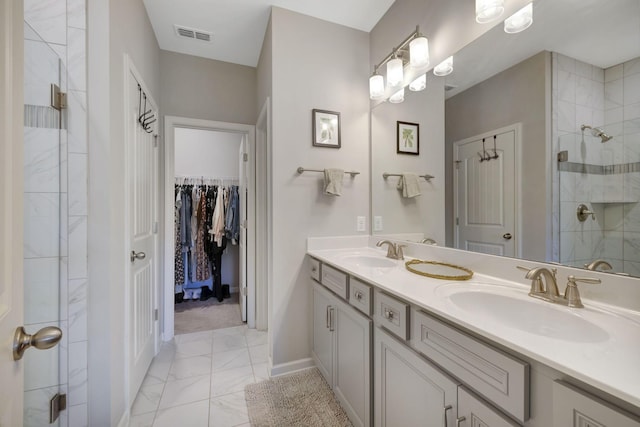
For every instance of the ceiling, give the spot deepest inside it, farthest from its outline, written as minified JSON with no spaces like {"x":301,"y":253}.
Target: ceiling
{"x":237,"y":27}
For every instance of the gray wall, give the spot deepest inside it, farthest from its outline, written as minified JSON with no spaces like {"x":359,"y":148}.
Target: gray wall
{"x":316,"y":64}
{"x":201,"y":88}
{"x":118,"y":27}
{"x":516,"y":95}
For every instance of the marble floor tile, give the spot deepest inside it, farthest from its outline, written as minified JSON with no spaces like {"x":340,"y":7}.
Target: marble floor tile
{"x":230,"y":359}
{"x":185,"y":391}
{"x":190,"y":367}
{"x":193,"y":348}
{"x":229,"y":342}
{"x":147,"y":399}
{"x":255,"y":337}
{"x":261,"y":371}
{"x":194,"y":336}
{"x":229,"y":410}
{"x":194,"y":414}
{"x":259,"y":354}
{"x":235,"y":330}
{"x":231,"y":380}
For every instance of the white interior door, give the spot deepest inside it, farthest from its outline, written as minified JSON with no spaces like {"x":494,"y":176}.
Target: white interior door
{"x":485,"y":194}
{"x":11,"y":187}
{"x":242,"y":192}
{"x":142,"y":155}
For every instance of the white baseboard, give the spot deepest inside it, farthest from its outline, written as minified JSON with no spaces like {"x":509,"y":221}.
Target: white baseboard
{"x":290,"y":367}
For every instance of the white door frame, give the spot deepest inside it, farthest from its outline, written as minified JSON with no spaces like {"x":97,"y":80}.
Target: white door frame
{"x":517,"y":130}
{"x":263,"y":201}
{"x":170,"y":123}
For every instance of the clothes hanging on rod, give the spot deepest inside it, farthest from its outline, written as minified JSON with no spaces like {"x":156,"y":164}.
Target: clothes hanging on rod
{"x":205,"y":218}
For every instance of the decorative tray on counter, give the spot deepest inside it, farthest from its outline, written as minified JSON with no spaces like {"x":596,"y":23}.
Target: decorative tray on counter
{"x":438,"y":270}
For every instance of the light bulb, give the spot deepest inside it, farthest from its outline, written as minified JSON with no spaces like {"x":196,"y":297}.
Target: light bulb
{"x":519,"y":21}
{"x":376,"y":87}
{"x":397,"y":97}
{"x":419,"y":52}
{"x":488,"y":10}
{"x":395,"y":73}
{"x":419,"y":84}
{"x":444,"y":68}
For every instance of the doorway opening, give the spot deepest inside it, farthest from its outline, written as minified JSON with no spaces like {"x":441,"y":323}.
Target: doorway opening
{"x":209,"y":226}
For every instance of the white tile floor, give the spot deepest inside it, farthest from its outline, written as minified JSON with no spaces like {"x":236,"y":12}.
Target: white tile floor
{"x":199,"y":378}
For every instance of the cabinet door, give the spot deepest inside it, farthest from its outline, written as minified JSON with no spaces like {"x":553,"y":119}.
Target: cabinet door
{"x":473,"y":412}
{"x":322,"y":352}
{"x":353,"y":363}
{"x":409,"y":391}
{"x":573,"y":407}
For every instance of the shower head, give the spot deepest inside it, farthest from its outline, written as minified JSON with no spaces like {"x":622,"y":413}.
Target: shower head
{"x":597,"y":132}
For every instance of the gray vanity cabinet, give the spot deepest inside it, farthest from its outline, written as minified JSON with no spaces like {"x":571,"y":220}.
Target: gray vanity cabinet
{"x":342,"y":352}
{"x":409,"y":391}
{"x":472,"y":412}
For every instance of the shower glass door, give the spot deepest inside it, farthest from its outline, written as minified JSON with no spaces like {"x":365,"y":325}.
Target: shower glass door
{"x":44,"y":234}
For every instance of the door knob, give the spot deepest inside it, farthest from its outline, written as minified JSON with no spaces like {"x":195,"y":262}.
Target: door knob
{"x":507,"y":236}
{"x":137,"y":255}
{"x":43,"y":339}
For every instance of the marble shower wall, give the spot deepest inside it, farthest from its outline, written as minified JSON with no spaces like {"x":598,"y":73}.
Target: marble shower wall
{"x":604,"y":176}
{"x":56,"y":207}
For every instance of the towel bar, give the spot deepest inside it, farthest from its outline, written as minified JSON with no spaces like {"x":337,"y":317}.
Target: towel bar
{"x":301,"y":170}
{"x":386,"y":175}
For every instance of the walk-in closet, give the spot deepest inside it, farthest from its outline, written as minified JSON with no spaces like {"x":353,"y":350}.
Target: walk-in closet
{"x":208,"y":256}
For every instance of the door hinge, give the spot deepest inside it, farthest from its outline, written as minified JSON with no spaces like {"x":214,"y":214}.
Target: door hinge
{"x":58,"y":98}
{"x":245,"y":157}
{"x":457,"y":221}
{"x":563,"y":156}
{"x":155,"y":314}
{"x":56,"y":404}
{"x":155,"y":227}
{"x":457,"y":163}
{"x":155,"y":141}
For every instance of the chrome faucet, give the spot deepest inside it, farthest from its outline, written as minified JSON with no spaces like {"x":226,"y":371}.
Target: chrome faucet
{"x":394,"y":250}
{"x":429,"y":241}
{"x":548,"y":291}
{"x":593,"y":265}
{"x":550,"y":288}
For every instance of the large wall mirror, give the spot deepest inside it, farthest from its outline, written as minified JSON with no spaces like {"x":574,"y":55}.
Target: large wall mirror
{"x":533,"y":140}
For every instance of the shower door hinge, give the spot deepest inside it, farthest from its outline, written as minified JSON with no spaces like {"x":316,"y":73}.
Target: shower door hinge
{"x":58,"y":98}
{"x":56,"y":404}
{"x":155,"y":314}
{"x":563,"y":156}
{"x":245,"y":157}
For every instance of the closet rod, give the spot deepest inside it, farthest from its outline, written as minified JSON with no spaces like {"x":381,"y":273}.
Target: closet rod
{"x":302,"y":170}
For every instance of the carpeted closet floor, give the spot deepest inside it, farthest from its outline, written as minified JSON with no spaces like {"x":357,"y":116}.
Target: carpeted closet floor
{"x":195,"y":316}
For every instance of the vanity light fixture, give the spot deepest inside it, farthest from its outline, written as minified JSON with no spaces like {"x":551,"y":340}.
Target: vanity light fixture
{"x":519,"y":21}
{"x":397,"y":97}
{"x":419,"y":84}
{"x":488,"y":10}
{"x":414,"y":50}
{"x":444,"y":68}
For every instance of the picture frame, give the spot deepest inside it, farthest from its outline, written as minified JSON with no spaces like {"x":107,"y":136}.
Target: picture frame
{"x":408,"y":138}
{"x":326,"y":128}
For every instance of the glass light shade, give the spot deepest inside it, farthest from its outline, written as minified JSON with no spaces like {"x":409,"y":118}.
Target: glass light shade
{"x":397,"y":97}
{"x":444,"y":68}
{"x":395,"y":72}
{"x":376,"y":86}
{"x":488,"y":10}
{"x":519,"y":21}
{"x":419,"y":84}
{"x":419,"y":52}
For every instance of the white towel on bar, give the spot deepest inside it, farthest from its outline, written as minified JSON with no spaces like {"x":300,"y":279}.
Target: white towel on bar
{"x":408,"y":184}
{"x":333,"y":181}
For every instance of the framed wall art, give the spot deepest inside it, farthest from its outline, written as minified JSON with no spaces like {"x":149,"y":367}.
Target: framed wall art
{"x":408,"y":138}
{"x":326,"y":128}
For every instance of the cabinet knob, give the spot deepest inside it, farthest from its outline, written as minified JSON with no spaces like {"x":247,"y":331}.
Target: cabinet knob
{"x":358,"y":295}
{"x":388,"y":314}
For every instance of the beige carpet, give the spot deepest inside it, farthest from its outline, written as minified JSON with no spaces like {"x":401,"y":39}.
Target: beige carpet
{"x":300,"y":399}
{"x":196,"y":316}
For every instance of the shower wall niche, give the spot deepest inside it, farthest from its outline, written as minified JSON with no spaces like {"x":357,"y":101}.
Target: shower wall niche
{"x":605,"y":176}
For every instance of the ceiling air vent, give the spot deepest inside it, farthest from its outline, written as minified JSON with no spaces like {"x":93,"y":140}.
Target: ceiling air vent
{"x":192,"y":33}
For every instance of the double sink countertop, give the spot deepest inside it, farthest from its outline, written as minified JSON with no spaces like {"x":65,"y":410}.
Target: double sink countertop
{"x":598,"y":344}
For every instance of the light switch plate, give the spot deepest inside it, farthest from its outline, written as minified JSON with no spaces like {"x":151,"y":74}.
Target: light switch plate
{"x":377,"y":223}
{"x":361,"y":223}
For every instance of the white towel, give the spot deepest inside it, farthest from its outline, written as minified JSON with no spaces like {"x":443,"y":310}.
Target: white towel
{"x":408,"y":184}
{"x":333,"y":181}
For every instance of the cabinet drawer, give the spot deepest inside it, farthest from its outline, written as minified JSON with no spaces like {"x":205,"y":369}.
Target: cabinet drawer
{"x":314,"y":269}
{"x":576,"y":408}
{"x":498,"y":377}
{"x":392,"y":314}
{"x":335,"y":280}
{"x":360,"y":296}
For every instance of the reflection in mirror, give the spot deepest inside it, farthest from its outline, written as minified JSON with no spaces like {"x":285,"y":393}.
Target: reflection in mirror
{"x":577,"y":65}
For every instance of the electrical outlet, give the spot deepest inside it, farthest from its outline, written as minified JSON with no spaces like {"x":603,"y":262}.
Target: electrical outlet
{"x":361,"y":223}
{"x":377,"y":223}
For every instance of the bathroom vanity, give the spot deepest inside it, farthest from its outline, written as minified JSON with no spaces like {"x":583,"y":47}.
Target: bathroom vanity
{"x":400,"y":349}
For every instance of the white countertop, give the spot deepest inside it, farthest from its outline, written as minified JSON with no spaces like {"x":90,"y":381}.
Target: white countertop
{"x":609,"y":359}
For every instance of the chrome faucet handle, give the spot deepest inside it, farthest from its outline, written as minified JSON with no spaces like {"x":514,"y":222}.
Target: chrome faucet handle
{"x":399,"y":251}
{"x":391,"y":250}
{"x":571,"y":293}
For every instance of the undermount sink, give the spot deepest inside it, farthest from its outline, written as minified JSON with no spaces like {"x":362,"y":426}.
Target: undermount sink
{"x":361,"y":260}
{"x":516,"y":310}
